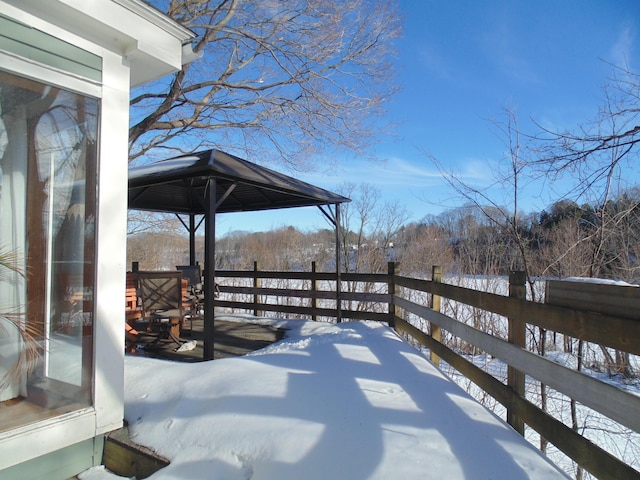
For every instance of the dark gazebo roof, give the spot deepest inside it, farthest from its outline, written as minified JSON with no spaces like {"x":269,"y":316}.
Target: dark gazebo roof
{"x":178,"y":185}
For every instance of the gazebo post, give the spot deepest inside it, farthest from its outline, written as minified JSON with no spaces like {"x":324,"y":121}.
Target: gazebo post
{"x":192,"y":239}
{"x":338,"y":275}
{"x":334,"y":218}
{"x":209,"y":267}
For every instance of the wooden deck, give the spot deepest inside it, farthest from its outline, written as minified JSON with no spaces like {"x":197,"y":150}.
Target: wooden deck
{"x":231,"y":339}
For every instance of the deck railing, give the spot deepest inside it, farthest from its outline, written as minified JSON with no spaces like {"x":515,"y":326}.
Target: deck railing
{"x":400,"y":301}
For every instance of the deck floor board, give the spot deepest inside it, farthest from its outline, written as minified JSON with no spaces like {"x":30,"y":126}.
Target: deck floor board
{"x":231,"y":339}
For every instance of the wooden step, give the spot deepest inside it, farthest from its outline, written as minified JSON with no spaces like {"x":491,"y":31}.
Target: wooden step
{"x":128,"y":459}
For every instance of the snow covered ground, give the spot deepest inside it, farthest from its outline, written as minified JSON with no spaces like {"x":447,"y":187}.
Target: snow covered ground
{"x":330,"y":401}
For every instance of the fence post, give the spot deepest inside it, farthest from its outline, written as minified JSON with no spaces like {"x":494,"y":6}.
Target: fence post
{"x":256,"y":284}
{"x":314,"y":289}
{"x":435,"y":304}
{"x":393,"y":269}
{"x":517,"y":331}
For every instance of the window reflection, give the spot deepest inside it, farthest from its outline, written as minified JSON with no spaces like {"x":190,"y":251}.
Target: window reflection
{"x":48,"y":158}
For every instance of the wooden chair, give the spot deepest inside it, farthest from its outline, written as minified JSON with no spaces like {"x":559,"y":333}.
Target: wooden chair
{"x":192,"y":292}
{"x":132,"y":310}
{"x":192,"y":273}
{"x":161,"y":294}
{"x":133,"y":313}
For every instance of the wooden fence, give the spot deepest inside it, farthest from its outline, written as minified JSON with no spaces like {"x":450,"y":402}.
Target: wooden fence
{"x":390,"y":297}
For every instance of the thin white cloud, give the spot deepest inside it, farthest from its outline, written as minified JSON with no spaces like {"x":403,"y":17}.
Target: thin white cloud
{"x":399,"y":168}
{"x":621,"y":51}
{"x":477,"y":170}
{"x":436,"y":63}
{"x":501,"y":46}
{"x":397,"y":171}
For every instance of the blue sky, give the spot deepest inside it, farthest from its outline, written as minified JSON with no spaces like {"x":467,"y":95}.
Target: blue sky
{"x":460,"y":64}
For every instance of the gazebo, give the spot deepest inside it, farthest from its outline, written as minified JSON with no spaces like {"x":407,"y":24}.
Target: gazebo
{"x":209,"y":182}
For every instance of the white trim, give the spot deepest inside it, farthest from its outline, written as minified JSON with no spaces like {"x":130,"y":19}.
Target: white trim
{"x":154,"y":46}
{"x":24,"y":443}
{"x":111,"y":238}
{"x":45,"y":74}
{"x":158,"y":18}
{"x":41,"y":24}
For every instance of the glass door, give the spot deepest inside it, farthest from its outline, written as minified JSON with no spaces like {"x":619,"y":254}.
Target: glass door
{"x":48,"y":161}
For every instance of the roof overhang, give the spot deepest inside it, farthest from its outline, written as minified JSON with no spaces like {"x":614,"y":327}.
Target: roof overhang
{"x":153,"y":44}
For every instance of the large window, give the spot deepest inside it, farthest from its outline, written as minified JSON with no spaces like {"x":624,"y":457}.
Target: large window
{"x":48,"y":161}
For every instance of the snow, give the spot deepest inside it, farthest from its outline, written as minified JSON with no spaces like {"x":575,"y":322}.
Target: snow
{"x":601,"y":281}
{"x":340,"y":401}
{"x":163,"y":166}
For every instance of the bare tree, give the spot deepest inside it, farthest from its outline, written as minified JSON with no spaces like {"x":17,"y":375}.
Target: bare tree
{"x":368,"y":229}
{"x":139,"y":222}
{"x":159,"y":250}
{"x":356,"y":219}
{"x":389,"y":221}
{"x":599,"y":156}
{"x":564,"y":250}
{"x":291,"y":78}
{"x":507,"y":219}
{"x":422,"y":246}
{"x":595,"y":152}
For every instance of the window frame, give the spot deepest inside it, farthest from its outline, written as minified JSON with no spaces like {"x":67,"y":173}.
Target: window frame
{"x":106,"y":413}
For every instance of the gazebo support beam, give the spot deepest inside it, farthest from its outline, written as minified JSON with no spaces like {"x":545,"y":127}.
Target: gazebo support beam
{"x":338,"y":269}
{"x":209,"y":268}
{"x":191,"y":228}
{"x":211,"y":204}
{"x":334,"y":218}
{"x":192,"y":239}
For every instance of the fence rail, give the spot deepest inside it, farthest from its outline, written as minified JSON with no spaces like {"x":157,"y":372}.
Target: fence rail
{"x":388,"y":298}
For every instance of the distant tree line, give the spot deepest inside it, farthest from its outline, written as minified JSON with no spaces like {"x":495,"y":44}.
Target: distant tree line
{"x":564,"y":240}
